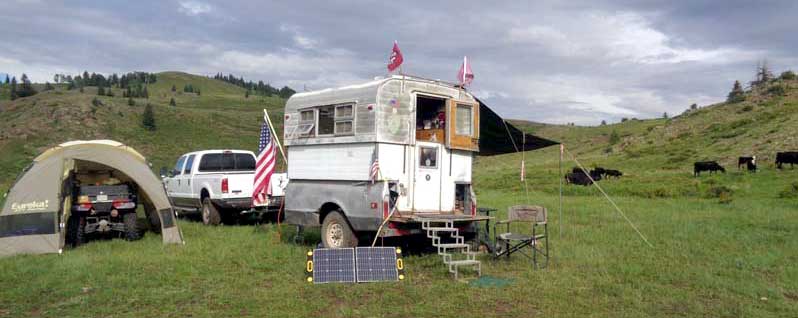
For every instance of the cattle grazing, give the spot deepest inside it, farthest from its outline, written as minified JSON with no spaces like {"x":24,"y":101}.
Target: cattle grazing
{"x":710,"y":166}
{"x":790,"y":157}
{"x":749,"y":162}
{"x":612,"y":173}
{"x":578,"y":176}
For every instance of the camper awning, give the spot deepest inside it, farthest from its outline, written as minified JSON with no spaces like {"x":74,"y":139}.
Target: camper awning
{"x":496,"y":136}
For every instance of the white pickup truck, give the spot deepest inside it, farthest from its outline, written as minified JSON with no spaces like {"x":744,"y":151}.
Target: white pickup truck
{"x":219,"y":183}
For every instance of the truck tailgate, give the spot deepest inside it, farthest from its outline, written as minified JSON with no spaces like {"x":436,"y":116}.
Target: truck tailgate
{"x":240,"y":184}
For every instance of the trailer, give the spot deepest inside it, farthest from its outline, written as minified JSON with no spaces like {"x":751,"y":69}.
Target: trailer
{"x":390,"y":157}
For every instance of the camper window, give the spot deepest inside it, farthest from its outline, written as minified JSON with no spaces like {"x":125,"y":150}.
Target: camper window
{"x":428,"y":158}
{"x":344,"y":120}
{"x":307,"y":121}
{"x":326,"y":120}
{"x":463,"y":122}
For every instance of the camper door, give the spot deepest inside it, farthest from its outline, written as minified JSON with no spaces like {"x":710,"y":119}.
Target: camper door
{"x":427,"y":193}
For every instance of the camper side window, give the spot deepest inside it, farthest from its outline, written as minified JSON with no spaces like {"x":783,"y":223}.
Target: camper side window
{"x":326,"y":120}
{"x":344,"y":120}
{"x":307,"y":122}
{"x":464,"y":120}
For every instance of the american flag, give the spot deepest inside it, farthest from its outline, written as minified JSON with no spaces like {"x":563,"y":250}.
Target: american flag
{"x":265,"y":166}
{"x":374,"y":171}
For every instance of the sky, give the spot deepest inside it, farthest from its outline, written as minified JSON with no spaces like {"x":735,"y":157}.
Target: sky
{"x":547,"y":61}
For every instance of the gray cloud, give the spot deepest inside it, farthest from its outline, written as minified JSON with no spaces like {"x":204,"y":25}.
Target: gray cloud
{"x":552,"y":62}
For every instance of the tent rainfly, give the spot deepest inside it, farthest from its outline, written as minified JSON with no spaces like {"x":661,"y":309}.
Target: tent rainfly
{"x":37,"y":206}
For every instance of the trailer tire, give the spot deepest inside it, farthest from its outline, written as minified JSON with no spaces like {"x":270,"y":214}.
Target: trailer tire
{"x":336,"y":232}
{"x":210,"y":214}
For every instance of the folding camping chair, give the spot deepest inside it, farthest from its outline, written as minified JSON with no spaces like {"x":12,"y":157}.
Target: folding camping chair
{"x":510,"y":242}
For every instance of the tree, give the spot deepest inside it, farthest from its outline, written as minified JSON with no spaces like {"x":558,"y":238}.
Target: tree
{"x":8,"y":81}
{"x":604,"y":123}
{"x":198,"y":92}
{"x":694,"y":106}
{"x":172,"y":102}
{"x":737,"y":94}
{"x":246,"y":95}
{"x":26,"y":88}
{"x":764,"y":74}
{"x":81,"y":89}
{"x":131,"y":102}
{"x":148,"y":119}
{"x":286,"y":92}
{"x":57,"y":78}
{"x":624,"y":119}
{"x":100,"y":91}
{"x":665,"y":115}
{"x":614,"y":138}
{"x":109,"y":92}
{"x":48,"y":86}
{"x":13,"y":92}
{"x":145,"y":94}
{"x":174,"y":88}
{"x":787,"y":76}
{"x":71,"y":85}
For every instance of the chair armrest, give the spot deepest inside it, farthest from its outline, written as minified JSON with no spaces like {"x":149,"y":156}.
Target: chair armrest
{"x":501,"y":222}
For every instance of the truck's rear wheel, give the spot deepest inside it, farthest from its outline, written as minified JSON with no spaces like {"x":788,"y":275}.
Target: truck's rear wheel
{"x":336,"y":232}
{"x":210,"y":215}
{"x":131,"y":226}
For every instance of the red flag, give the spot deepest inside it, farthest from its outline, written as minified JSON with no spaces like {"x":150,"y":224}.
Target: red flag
{"x":465,"y":76}
{"x":396,"y":58}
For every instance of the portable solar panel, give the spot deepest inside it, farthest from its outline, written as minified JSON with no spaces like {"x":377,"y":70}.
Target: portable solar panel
{"x":333,"y":265}
{"x":376,"y":264}
{"x":349,"y":265}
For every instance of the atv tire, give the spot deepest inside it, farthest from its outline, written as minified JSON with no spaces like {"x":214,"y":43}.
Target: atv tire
{"x":76,"y":230}
{"x":152,"y":217}
{"x":210,"y":214}
{"x":131,"y":226}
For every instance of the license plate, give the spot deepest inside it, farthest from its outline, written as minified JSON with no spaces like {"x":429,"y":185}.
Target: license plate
{"x":102,"y":197}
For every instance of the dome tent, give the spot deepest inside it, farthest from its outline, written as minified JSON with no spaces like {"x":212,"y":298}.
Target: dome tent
{"x":33,"y":217}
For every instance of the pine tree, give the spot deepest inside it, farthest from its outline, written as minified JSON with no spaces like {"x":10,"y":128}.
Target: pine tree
{"x":14,"y":88}
{"x":145,"y":94}
{"x":71,"y":85}
{"x":694,"y":106}
{"x":172,"y":102}
{"x":614,"y":137}
{"x":26,"y":88}
{"x":246,"y":95}
{"x":665,"y":115}
{"x":174,"y":88}
{"x":737,"y":94}
{"x":131,"y":102}
{"x":148,"y":119}
{"x":48,"y":86}
{"x":100,"y":91}
{"x":603,"y":122}
{"x":8,"y":81}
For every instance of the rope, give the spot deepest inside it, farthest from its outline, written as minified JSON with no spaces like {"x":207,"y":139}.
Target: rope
{"x":526,"y":187}
{"x":609,"y":199}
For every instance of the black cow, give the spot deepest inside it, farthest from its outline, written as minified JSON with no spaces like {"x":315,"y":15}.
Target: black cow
{"x":612,"y":173}
{"x":790,"y":157}
{"x":749,"y":162}
{"x":710,"y":166}
{"x":577,"y":176}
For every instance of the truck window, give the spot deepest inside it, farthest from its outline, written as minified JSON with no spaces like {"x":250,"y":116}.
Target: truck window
{"x":189,"y":165}
{"x":344,"y":119}
{"x":244,"y":162}
{"x":428,"y":158}
{"x":179,"y":165}
{"x":464,"y":122}
{"x":211,"y":162}
{"x":326,"y":120}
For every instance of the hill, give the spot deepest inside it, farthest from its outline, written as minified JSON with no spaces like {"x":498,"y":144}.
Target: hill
{"x":221,"y":117}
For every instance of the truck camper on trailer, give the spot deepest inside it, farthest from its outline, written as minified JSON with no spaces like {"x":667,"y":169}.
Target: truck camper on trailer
{"x":398,"y":148}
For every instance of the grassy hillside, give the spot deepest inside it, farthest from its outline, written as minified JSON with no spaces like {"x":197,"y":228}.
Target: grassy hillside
{"x":218,"y":118}
{"x":723,"y":245}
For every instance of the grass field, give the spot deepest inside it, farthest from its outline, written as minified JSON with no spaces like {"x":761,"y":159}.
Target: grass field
{"x":723,"y":245}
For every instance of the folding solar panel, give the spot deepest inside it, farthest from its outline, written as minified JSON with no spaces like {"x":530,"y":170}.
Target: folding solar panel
{"x":332,"y":265}
{"x":376,"y":264}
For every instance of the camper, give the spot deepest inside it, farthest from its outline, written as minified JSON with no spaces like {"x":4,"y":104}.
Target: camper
{"x":384,"y":155}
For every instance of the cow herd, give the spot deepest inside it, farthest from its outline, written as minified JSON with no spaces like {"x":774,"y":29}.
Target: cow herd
{"x":584,"y":177}
{"x":749,"y":162}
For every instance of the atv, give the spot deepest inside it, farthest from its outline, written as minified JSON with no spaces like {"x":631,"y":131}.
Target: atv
{"x":102,"y":211}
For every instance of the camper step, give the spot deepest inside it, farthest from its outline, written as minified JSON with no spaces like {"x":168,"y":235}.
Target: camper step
{"x":452,"y":245}
{"x":442,"y":229}
{"x":463,"y":262}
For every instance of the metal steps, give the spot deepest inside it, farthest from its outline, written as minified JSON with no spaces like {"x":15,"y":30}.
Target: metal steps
{"x":455,"y":254}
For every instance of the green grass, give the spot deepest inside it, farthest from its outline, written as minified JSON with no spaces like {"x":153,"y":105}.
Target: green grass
{"x":711,"y":256}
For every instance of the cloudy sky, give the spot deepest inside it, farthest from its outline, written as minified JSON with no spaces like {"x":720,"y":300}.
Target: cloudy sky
{"x":556,"y":62}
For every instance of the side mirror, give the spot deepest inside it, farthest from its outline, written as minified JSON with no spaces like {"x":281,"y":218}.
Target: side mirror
{"x":164,"y":172}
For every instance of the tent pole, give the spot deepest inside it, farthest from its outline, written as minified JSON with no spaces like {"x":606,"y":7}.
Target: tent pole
{"x":562,"y":147}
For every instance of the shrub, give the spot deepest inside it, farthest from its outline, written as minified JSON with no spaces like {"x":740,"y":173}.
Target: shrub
{"x":614,"y":137}
{"x":148,"y":119}
{"x":172,"y":102}
{"x":722,"y":193}
{"x":96,"y":102}
{"x":788,"y":75}
{"x":131,"y":102}
{"x":747,"y":108}
{"x":777,"y":90}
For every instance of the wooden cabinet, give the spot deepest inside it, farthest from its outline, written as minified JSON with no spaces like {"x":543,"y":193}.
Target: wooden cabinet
{"x":430,"y":135}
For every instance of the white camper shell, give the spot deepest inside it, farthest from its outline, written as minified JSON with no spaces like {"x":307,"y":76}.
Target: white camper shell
{"x":423,"y":134}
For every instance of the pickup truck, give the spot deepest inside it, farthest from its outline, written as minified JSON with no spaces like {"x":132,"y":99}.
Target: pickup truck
{"x":219,"y":184}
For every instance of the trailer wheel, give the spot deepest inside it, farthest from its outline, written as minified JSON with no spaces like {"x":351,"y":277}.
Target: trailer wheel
{"x":210,"y":215}
{"x":336,"y":232}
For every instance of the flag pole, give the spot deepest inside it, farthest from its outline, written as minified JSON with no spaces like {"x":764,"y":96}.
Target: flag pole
{"x":274,"y":134}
